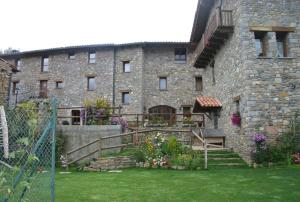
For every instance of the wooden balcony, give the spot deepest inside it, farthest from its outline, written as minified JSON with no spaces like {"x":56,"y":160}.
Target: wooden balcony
{"x":216,"y":33}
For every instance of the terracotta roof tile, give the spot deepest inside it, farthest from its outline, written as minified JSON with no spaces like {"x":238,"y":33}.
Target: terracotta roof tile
{"x":208,"y":102}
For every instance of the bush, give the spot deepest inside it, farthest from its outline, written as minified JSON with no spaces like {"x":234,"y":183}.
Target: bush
{"x":59,"y":148}
{"x":96,"y":112}
{"x":139,"y":156}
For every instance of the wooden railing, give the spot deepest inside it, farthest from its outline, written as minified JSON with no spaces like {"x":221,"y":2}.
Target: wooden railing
{"x":145,"y":119}
{"x":221,"y":18}
{"x":101,"y":140}
{"x":203,"y":141}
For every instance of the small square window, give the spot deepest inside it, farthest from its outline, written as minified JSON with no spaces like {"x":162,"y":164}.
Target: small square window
{"x":282,"y":44}
{"x":125,"y":98}
{"x":18,"y":64}
{"x":71,"y":56}
{"x":187,"y":112}
{"x":45,"y":64}
{"x":59,"y":85}
{"x":261,"y":44}
{"x":180,"y":55}
{"x":126,"y":66}
{"x":91,"y":83}
{"x":163,"y":83}
{"x":92,"y":57}
{"x":15,"y":87}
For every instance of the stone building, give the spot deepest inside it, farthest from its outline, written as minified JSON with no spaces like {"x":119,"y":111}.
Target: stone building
{"x":250,"y":55}
{"x":141,"y":77}
{"x":243,"y":54}
{"x":6,"y":71}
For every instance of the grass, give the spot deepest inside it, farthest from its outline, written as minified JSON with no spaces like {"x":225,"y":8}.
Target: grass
{"x":264,"y":184}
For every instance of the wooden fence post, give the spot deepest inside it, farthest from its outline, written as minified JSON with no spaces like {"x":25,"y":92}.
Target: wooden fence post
{"x":137,"y":121}
{"x":100,"y":142}
{"x":205,"y":154}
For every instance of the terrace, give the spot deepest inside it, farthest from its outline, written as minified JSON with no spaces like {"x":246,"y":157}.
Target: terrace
{"x":216,"y":33}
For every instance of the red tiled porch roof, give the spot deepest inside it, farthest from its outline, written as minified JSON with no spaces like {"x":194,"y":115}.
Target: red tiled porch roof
{"x":208,"y":102}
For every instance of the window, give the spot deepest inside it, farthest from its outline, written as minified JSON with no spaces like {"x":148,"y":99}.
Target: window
{"x":45,"y":64}
{"x":199,"y":84}
{"x":71,"y":56}
{"x":15,"y":87}
{"x":180,"y":55}
{"x":91,"y":83}
{"x":125,"y":98}
{"x":43,"y":89}
{"x":282,"y":44}
{"x":261,"y":44}
{"x":163,"y":83}
{"x":92,"y":57}
{"x":126,"y":66}
{"x":186,"y":112}
{"x":162,"y":114}
{"x":59,"y":85}
{"x":18,"y":64}
{"x":75,"y":117}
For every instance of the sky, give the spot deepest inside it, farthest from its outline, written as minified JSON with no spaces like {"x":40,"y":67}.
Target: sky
{"x":38,"y":24}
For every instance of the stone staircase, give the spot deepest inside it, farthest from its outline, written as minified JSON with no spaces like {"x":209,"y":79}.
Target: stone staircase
{"x":111,"y":163}
{"x":225,"y":158}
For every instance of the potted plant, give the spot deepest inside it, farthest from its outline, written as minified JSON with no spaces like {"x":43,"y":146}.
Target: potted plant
{"x":236,"y":119}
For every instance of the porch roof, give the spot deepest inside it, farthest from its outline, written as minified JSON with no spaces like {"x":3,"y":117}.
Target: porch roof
{"x":206,"y":104}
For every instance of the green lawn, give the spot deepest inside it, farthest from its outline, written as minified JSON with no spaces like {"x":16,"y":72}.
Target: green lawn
{"x":274,"y":184}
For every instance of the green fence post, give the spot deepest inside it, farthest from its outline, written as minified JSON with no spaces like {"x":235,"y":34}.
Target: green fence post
{"x":53,"y":119}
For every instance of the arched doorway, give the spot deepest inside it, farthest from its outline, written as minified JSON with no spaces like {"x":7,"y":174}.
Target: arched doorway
{"x":162,"y":114}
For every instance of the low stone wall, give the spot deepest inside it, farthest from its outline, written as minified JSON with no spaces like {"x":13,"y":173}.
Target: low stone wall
{"x":111,"y":163}
{"x":76,"y":136}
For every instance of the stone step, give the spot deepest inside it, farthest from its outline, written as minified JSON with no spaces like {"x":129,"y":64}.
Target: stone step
{"x":226,"y":164}
{"x":200,"y":148}
{"x":224,"y":159}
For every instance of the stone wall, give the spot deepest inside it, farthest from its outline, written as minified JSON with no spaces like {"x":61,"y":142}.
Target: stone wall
{"x":111,"y":163}
{"x":268,"y":87}
{"x":5,"y":72}
{"x":181,"y":88}
{"x":73,"y":74}
{"x":76,"y":136}
{"x":147,"y":64}
{"x":4,"y":85}
{"x":132,"y":81}
{"x":273,"y":83}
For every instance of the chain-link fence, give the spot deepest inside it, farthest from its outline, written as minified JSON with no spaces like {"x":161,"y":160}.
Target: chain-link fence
{"x":27,"y":151}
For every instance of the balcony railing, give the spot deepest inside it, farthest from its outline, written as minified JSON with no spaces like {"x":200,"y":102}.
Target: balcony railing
{"x":215,"y":34}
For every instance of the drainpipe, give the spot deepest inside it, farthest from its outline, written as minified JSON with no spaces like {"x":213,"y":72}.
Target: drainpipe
{"x":221,"y":4}
{"x":9,"y":87}
{"x":114,"y":80}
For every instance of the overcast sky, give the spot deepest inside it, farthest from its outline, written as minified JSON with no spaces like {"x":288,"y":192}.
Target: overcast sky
{"x":39,"y":24}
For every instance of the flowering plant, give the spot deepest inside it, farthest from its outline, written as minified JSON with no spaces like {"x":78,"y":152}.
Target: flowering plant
{"x":115,"y":120}
{"x":236,"y":119}
{"x":154,"y":151}
{"x":259,"y":138}
{"x":96,"y":112}
{"x":260,"y":153}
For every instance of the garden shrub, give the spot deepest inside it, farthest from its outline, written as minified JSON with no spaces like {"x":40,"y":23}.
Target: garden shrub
{"x":59,"y":148}
{"x":161,"y":152}
{"x":288,"y":144}
{"x":96,"y":112}
{"x":260,"y":154}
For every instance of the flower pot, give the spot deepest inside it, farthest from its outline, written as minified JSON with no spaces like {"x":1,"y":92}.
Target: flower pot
{"x":236,"y":119}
